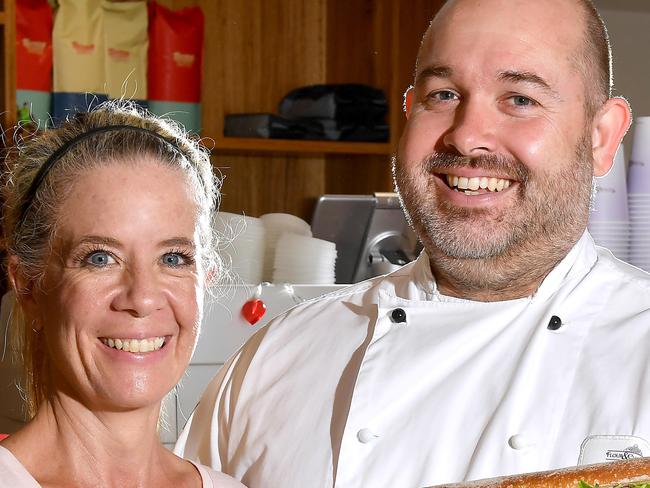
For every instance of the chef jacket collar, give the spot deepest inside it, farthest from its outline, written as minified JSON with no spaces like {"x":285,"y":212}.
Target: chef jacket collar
{"x":577,"y":263}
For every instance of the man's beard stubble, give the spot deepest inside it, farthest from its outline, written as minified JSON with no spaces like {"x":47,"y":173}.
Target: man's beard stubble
{"x":484,"y":250}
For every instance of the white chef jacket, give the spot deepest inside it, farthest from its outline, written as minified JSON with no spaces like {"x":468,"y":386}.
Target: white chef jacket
{"x":337,"y":392}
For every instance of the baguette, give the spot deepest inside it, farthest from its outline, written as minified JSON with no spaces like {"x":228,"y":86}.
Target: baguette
{"x":619,"y":474}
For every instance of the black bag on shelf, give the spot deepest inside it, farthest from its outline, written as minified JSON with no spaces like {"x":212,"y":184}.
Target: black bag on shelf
{"x":351,"y":103}
{"x":335,"y":130}
{"x":270,"y":126}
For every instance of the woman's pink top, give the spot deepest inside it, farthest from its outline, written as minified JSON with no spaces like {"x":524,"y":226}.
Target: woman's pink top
{"x":14,"y":475}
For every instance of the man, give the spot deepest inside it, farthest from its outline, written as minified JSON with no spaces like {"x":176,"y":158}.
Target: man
{"x":512,"y":344}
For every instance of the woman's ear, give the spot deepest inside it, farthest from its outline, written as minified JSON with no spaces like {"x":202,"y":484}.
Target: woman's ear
{"x":22,"y":286}
{"x":609,"y":127}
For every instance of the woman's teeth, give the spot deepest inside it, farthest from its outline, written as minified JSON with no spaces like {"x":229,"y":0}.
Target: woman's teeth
{"x":135,"y":345}
{"x":470,"y":186}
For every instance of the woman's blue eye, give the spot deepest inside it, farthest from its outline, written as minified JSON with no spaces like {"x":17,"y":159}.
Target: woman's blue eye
{"x":172,"y":259}
{"x":99,"y":258}
{"x":522,"y":101}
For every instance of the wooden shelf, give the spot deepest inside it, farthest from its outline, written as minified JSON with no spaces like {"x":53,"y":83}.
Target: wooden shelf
{"x":2,"y":18}
{"x":247,"y":145}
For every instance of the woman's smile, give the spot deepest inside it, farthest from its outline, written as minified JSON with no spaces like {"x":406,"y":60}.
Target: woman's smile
{"x":150,"y":344}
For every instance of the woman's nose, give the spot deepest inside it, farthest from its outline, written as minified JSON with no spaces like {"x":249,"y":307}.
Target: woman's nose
{"x":473,"y":131}
{"x":140,"y":293}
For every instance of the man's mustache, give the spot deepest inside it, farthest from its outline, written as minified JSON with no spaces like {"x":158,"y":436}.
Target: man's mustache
{"x":496,"y":164}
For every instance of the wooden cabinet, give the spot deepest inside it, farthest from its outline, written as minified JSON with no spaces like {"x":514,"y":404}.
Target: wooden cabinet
{"x":258,"y":50}
{"x":8,"y":75}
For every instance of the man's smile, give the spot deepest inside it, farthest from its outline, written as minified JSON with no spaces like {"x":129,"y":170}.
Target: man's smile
{"x":473,"y":182}
{"x":476,"y":185}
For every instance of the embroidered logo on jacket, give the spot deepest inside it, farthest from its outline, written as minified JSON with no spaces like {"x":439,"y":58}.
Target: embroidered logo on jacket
{"x":600,"y":448}
{"x":627,"y":453}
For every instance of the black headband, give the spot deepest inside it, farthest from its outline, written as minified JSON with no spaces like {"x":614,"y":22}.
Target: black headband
{"x":56,"y":155}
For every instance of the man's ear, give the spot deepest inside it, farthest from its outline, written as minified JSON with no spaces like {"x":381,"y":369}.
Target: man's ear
{"x":408,"y":101}
{"x":22,"y":286}
{"x":610,"y":125}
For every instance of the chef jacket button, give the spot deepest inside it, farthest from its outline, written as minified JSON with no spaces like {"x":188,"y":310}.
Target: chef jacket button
{"x":398,"y":315}
{"x":520,"y":441}
{"x":366,"y":435}
{"x":555,"y":323}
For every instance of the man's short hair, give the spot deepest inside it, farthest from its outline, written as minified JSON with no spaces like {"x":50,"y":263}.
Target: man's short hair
{"x":595,"y":59}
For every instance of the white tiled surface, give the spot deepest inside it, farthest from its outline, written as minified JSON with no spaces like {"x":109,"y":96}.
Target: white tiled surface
{"x":224,"y":329}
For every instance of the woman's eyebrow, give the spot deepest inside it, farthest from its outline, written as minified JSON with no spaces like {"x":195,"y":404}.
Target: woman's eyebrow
{"x":100,"y":240}
{"x":178,"y":241}
{"x":112,"y":242}
{"x":69,"y":246}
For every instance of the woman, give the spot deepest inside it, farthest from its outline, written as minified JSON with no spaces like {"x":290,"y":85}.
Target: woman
{"x":107,"y":223}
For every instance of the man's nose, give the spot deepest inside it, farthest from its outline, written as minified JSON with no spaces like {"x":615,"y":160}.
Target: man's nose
{"x":140,"y":293}
{"x":473,"y":131}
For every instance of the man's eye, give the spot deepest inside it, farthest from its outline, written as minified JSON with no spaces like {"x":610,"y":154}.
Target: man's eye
{"x":99,"y":259}
{"x":443,"y":96}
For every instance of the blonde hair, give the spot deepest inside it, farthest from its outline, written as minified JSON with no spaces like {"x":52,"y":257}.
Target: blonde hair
{"x":30,"y":216}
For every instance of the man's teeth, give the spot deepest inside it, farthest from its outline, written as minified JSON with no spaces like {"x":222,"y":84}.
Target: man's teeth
{"x":471,"y":185}
{"x":135,"y":345}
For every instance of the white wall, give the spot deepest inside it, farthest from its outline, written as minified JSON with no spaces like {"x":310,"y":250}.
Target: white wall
{"x":628,"y":23}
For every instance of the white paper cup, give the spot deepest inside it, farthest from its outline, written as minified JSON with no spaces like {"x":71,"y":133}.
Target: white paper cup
{"x":610,"y":202}
{"x":277,"y":224}
{"x":639,"y":169}
{"x":305,"y":260}
{"x":241,"y":245}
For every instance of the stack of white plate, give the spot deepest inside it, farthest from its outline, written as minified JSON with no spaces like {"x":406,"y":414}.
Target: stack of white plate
{"x":609,"y":222}
{"x":305,"y":260}
{"x":241,"y":245}
{"x":640,"y":240}
{"x":639,"y":194}
{"x":277,"y":224}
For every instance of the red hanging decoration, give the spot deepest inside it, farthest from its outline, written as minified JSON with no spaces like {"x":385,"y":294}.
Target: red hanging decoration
{"x":253,"y":310}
